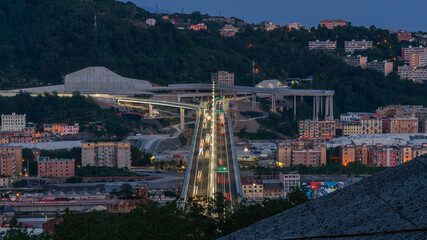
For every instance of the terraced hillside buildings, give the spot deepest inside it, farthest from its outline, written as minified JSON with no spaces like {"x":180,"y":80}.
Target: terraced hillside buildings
{"x":379,"y":155}
{"x":387,"y":205}
{"x":322,"y":45}
{"x":351,"y":46}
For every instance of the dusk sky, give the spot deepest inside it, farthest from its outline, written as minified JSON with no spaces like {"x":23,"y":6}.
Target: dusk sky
{"x":390,"y":14}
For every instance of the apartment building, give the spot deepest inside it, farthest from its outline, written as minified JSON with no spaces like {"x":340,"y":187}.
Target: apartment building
{"x":325,"y":45}
{"x":4,"y":181}
{"x":403,"y":36}
{"x":347,"y":154}
{"x":291,"y":26}
{"x":268,"y":26}
{"x":382,"y":66}
{"x":252,"y":188}
{"x":421,"y":51}
{"x":223,"y":78}
{"x":371,"y":125}
{"x":70,"y":129}
{"x":352,"y":128}
{"x":386,"y":157}
{"x":107,"y":154}
{"x":151,"y":22}
{"x":415,"y":60}
{"x":309,"y":129}
{"x":290,"y":181}
{"x":63,"y":168}
{"x":419,"y":150}
{"x":412,"y":73}
{"x":353,"y":116}
{"x":198,"y":27}
{"x":13,"y":122}
{"x":285,"y":156}
{"x":403,"y":125}
{"x":17,"y":153}
{"x":402,"y":111}
{"x":356,"y":61}
{"x":8,"y":164}
{"x":379,"y":155}
{"x":229,"y":30}
{"x":307,"y":157}
{"x":273,"y":189}
{"x":332,"y":23}
{"x":351,"y":46}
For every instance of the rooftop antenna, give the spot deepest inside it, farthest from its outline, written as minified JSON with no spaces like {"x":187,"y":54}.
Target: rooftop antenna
{"x":182,"y":11}
{"x":220,"y":13}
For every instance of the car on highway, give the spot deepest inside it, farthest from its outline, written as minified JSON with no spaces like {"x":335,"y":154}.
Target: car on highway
{"x":223,"y":143}
{"x":222,"y":133}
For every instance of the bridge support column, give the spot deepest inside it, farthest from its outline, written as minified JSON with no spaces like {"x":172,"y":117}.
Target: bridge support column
{"x":321,"y":105}
{"x":314,"y":108}
{"x":317,"y":107}
{"x":150,"y":110}
{"x":273,"y":103}
{"x":235,"y":95}
{"x":295,"y":107}
{"x":179,"y":98}
{"x":326,"y":108}
{"x":221,"y":93}
{"x":182,"y":118}
{"x":302,"y":98}
{"x":253,"y":100}
{"x":331,"y":108}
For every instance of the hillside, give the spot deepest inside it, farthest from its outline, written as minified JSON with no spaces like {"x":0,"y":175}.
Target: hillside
{"x":41,"y":41}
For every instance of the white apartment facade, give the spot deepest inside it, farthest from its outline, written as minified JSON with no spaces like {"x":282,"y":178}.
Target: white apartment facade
{"x":13,"y":122}
{"x":326,"y":45}
{"x":412,"y":73}
{"x":351,"y":46}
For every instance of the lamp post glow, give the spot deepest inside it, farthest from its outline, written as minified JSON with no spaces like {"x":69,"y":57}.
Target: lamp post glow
{"x":212,"y":157}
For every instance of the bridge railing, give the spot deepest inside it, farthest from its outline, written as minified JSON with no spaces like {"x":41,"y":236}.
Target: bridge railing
{"x":235,"y":162}
{"x":190,"y":162}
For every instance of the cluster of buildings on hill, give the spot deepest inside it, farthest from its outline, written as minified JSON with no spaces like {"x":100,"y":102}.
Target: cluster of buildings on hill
{"x":259,"y":189}
{"x":108,"y":154}
{"x":414,"y":57}
{"x":380,"y":155}
{"x":389,"y":119}
{"x":309,"y":150}
{"x":14,"y":129}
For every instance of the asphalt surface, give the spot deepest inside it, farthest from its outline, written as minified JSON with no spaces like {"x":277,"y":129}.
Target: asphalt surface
{"x":224,"y":180}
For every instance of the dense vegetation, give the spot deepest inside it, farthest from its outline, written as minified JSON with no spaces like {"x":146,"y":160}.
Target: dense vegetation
{"x":89,"y":171}
{"x":41,"y":41}
{"x":50,"y":108}
{"x":200,"y":219}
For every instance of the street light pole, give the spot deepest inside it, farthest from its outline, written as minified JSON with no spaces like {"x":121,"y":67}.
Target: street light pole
{"x":212,"y":157}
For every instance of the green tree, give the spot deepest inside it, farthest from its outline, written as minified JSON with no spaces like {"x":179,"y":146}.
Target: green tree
{"x":126,"y":190}
{"x":136,"y":157}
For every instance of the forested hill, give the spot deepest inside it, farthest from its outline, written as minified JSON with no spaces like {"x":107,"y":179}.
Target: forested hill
{"x":42,"y":40}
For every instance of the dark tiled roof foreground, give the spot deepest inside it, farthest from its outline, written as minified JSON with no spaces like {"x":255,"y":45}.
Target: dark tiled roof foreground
{"x":393,"y":201}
